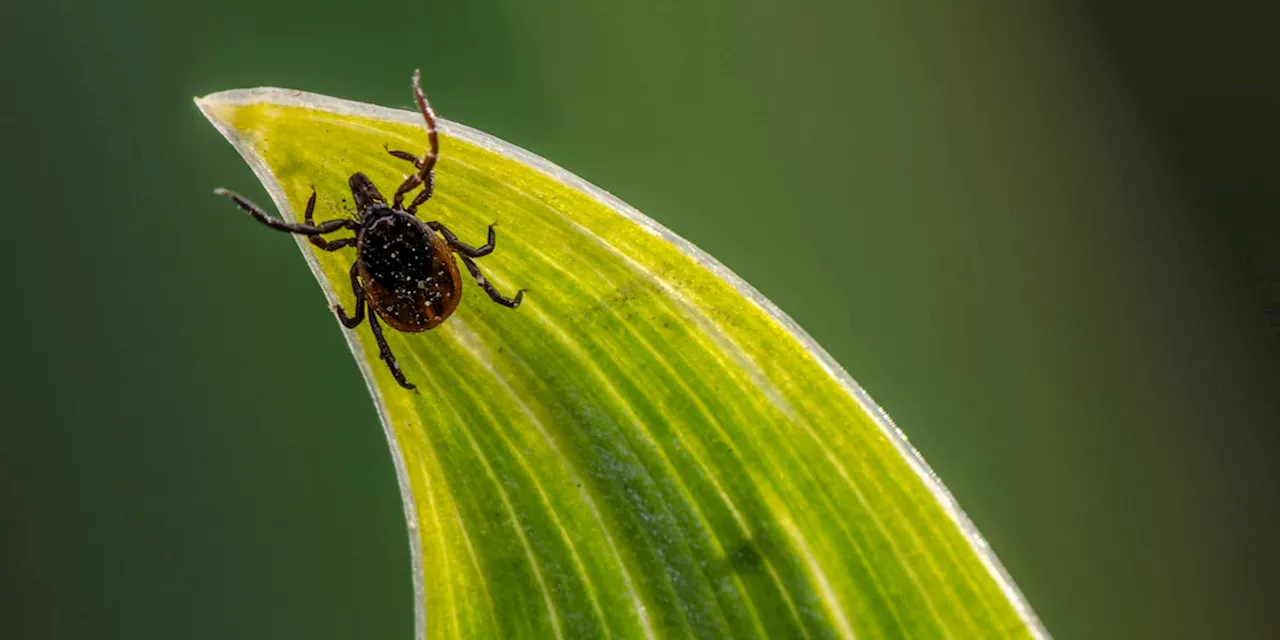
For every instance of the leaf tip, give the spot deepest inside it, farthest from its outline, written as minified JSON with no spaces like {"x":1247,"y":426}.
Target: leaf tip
{"x":215,"y":110}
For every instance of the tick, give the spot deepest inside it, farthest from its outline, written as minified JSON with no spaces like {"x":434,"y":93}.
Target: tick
{"x":405,"y":270}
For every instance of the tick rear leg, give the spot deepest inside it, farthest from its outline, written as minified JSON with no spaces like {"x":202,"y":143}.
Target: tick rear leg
{"x":353,"y":321}
{"x":462,"y":247}
{"x":427,"y":162}
{"x":488,"y":286}
{"x":258,"y":214}
{"x":384,"y":352}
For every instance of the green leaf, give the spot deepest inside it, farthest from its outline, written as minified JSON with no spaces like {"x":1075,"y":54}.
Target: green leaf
{"x":647,"y":448}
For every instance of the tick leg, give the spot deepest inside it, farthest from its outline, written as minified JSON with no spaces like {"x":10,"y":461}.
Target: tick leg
{"x":311,"y":208}
{"x":332,"y":245}
{"x":404,"y":155}
{"x":427,"y":162}
{"x":462,"y":247}
{"x":429,"y":182}
{"x":317,"y":240}
{"x":429,"y":185}
{"x":488,"y":286}
{"x":384,"y":352}
{"x":254,"y":210}
{"x":355,"y":320}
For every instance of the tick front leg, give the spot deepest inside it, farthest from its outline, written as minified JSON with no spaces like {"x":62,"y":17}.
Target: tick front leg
{"x":427,"y":179}
{"x":258,"y":214}
{"x":462,"y":247}
{"x":429,"y":185}
{"x":427,"y":162}
{"x":332,"y":245}
{"x":355,"y":320}
{"x":488,"y":286}
{"x":384,"y":352}
{"x":327,"y":245}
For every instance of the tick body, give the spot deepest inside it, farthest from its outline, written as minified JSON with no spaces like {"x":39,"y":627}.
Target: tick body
{"x":405,"y":270}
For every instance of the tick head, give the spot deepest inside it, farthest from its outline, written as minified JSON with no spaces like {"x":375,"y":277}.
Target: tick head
{"x":363,"y":191}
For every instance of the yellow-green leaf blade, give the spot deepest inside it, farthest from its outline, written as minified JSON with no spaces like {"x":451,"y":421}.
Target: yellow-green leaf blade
{"x":645,"y":448}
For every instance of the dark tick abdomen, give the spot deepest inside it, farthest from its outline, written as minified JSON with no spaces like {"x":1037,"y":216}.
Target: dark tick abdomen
{"x":408,"y":272}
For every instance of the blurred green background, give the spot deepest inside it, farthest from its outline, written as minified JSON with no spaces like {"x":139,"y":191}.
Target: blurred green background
{"x":1044,"y":236}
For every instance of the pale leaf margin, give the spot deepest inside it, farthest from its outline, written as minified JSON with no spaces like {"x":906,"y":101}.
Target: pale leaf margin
{"x":339,"y":106}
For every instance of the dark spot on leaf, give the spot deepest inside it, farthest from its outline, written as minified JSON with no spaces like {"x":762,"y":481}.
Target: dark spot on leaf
{"x":744,"y":557}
